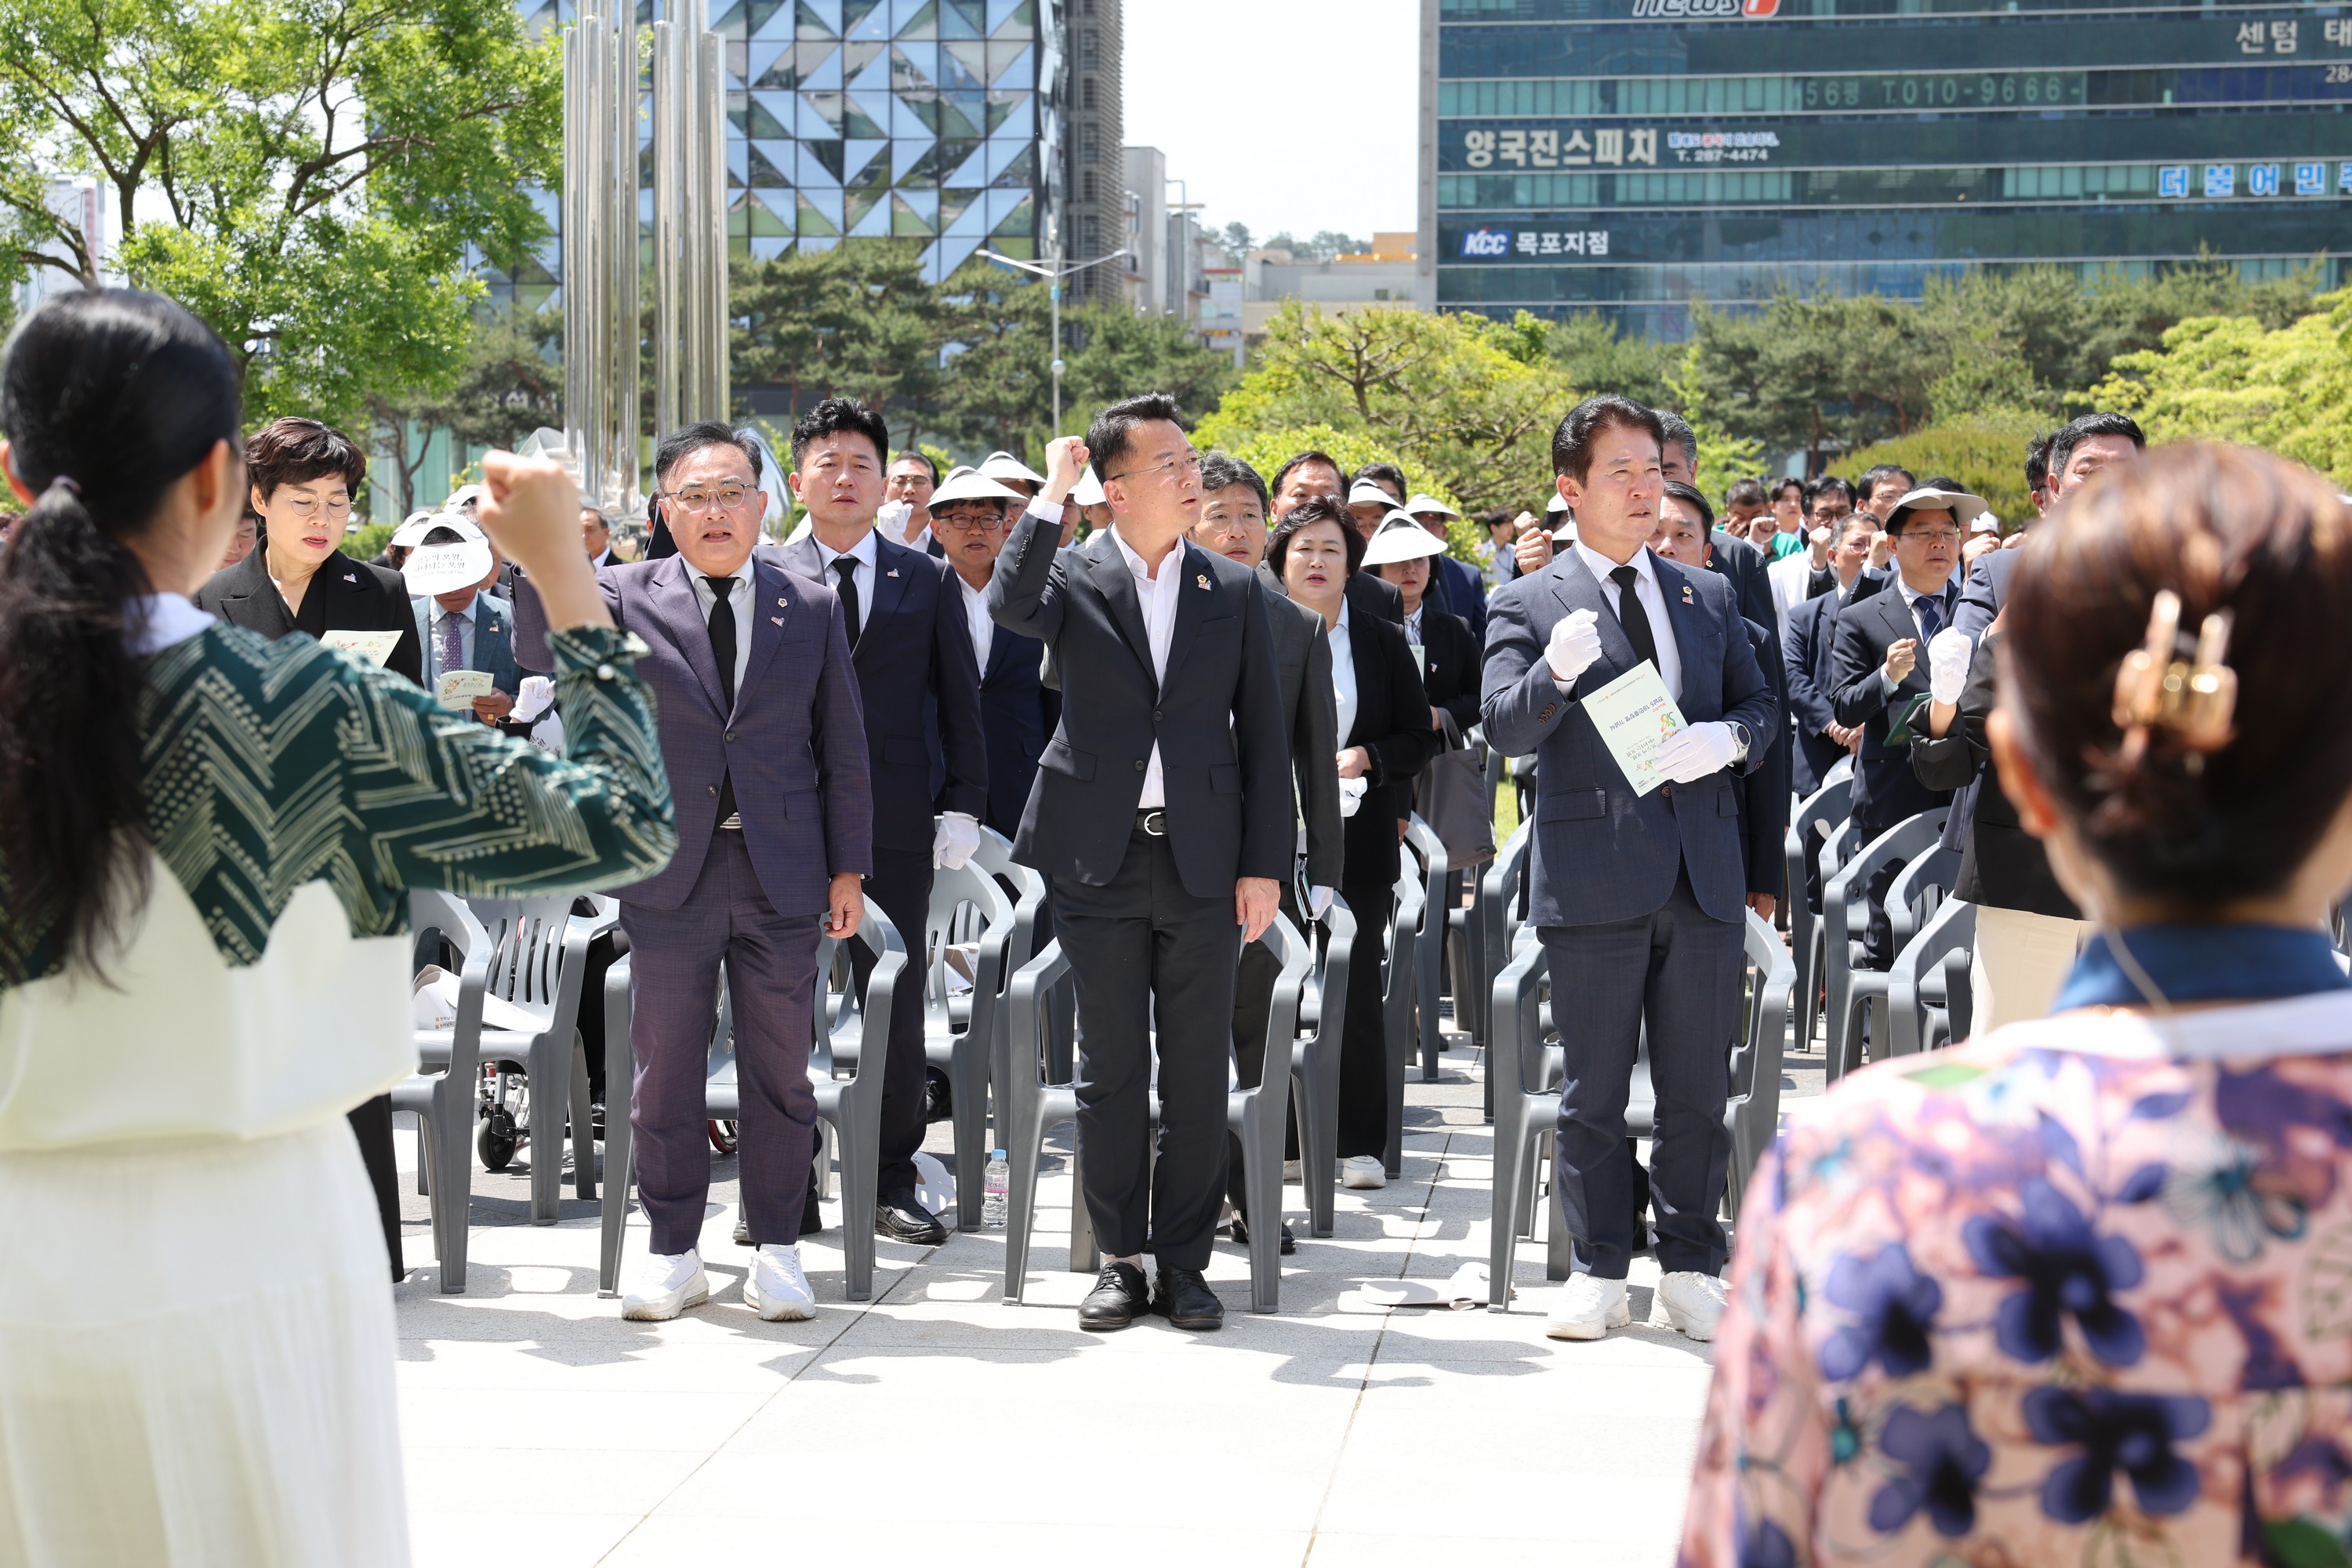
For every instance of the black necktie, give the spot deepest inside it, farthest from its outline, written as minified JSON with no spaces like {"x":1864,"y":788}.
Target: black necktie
{"x":845,"y":568}
{"x":1636,"y":619}
{"x":722,"y":649}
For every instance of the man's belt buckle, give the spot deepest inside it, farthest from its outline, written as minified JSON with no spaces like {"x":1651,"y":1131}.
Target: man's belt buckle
{"x":1154,"y":823}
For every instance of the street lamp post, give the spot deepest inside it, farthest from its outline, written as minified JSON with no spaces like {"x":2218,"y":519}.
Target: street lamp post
{"x":1052,"y":272}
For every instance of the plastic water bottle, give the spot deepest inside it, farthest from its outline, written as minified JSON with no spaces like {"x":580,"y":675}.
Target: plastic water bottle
{"x":992,"y":1206}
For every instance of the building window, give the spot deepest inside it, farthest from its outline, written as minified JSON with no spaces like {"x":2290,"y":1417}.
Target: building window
{"x":1090,"y":92}
{"x":1086,"y":185}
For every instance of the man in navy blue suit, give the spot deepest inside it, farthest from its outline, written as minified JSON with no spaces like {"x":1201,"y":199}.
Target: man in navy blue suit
{"x":1639,"y":898}
{"x":970,"y":517}
{"x":1807,"y":642}
{"x":919,"y":687}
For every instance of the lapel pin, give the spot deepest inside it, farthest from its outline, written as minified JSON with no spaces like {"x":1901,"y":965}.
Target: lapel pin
{"x":780,"y":604}
{"x":892,"y":572}
{"x":1202,"y":579}
{"x":775,"y":620}
{"x":1687,"y":594}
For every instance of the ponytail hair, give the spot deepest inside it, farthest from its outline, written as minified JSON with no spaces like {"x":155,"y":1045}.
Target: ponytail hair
{"x":108,"y":397}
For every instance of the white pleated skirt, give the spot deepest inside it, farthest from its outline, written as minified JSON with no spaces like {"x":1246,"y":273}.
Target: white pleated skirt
{"x":196,"y":1349}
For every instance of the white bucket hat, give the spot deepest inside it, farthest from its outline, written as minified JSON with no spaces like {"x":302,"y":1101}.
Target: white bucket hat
{"x":1400,"y":537}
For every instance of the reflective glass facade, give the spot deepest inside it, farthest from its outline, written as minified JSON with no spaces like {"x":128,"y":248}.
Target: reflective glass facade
{"x":1632,"y":155}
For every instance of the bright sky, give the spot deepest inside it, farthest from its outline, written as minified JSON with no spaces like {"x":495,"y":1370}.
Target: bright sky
{"x":1282,"y":114}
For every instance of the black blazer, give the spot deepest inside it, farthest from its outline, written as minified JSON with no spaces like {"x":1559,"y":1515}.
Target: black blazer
{"x":1014,"y":715}
{"x":1808,"y":642}
{"x":1744,"y":564}
{"x":1392,"y":724}
{"x":1886,"y":790}
{"x":346,"y":595}
{"x":1302,"y":656}
{"x":1369,"y":594}
{"x":1217,"y":717}
{"x":2001,"y":864}
{"x":1764,"y":794}
{"x":917,"y":680}
{"x":1449,"y":673}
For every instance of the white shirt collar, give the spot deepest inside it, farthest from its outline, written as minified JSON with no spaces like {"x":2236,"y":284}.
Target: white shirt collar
{"x":863,"y":552}
{"x":1912,"y":596}
{"x":1599,"y":565}
{"x":1346,"y":614}
{"x":1135,"y":563}
{"x":742,"y":574}
{"x":158,"y":621}
{"x":440,"y":612}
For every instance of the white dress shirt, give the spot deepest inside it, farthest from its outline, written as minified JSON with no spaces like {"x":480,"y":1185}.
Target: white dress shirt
{"x":153,"y":622}
{"x":976,"y":617}
{"x":740,"y":601}
{"x":1413,"y":624}
{"x":863,"y":575}
{"x":1653,"y":600}
{"x":1157,"y":596}
{"x":1343,"y":678}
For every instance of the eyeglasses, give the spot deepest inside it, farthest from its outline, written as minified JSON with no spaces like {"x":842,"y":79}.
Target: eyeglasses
{"x":965,"y":521}
{"x":1933,"y":535}
{"x":1188,"y":462}
{"x":336,"y":506}
{"x":696,"y":500}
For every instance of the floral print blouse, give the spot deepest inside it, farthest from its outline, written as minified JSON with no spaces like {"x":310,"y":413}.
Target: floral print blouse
{"x":2078,"y":1294}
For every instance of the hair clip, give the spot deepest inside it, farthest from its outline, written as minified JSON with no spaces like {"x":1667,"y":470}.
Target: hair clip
{"x":2158,"y":688}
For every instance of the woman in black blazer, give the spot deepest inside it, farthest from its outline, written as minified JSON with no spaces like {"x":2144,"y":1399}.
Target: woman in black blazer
{"x":304,"y":476}
{"x":1449,"y":653}
{"x":1386,"y":739}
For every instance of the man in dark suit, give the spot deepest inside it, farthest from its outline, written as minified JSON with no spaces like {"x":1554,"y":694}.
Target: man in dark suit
{"x":1879,"y":669}
{"x":1638,"y":895}
{"x":1808,"y":643}
{"x":1232,"y":524}
{"x":1734,"y":558}
{"x":916,"y":674}
{"x":766,"y":751}
{"x":1163,"y":812}
{"x":468,"y":629}
{"x":969,"y":519}
{"x":1318,"y":473}
{"x":2078,"y":452}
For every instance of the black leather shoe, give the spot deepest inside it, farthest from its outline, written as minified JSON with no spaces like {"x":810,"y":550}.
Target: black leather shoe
{"x":902,"y":1217}
{"x":812,"y":1216}
{"x":1239,"y":1230}
{"x":1118,"y":1298}
{"x":1185,"y":1299}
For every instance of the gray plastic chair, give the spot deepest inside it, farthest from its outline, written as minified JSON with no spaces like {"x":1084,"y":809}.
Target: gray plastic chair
{"x":1400,"y":983}
{"x":960,"y":1032}
{"x":1525,"y":1111}
{"x":1429,"y":944}
{"x":1816,"y":819}
{"x":1314,"y":1094}
{"x":1257,"y":1116}
{"x":1857,"y":992}
{"x":1496,"y":913}
{"x":1926,"y":1001}
{"x":1753,"y":1114}
{"x":852,"y":1107}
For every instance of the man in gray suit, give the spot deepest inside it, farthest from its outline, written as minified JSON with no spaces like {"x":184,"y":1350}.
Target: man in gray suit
{"x":1233,"y":523}
{"x":1639,"y":895}
{"x":469,"y":628}
{"x":765,"y":744}
{"x":1162,"y":811}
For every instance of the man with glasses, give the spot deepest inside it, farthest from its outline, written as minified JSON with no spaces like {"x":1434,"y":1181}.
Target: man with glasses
{"x":920,"y":687}
{"x":913,"y":479}
{"x":968,"y":519}
{"x":1162,"y":811}
{"x":766,"y":754}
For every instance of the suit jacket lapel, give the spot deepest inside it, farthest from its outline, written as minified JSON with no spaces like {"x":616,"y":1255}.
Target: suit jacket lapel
{"x":1108,"y":568}
{"x":891,"y":564}
{"x":1194,"y":592}
{"x":770,"y":614}
{"x":679,"y":608}
{"x":1689,"y":625}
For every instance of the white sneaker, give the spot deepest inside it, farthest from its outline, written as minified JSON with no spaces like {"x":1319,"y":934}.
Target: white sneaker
{"x":1588,"y":1307}
{"x":778,"y":1288}
{"x":664,"y":1284}
{"x":1363,"y":1173}
{"x":1693,"y":1302}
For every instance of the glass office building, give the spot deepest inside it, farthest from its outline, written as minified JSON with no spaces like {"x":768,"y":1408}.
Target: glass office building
{"x":1632,"y":155}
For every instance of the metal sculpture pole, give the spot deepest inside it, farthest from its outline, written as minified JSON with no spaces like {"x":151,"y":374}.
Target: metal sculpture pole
{"x":602,"y":331}
{"x":689,"y":220}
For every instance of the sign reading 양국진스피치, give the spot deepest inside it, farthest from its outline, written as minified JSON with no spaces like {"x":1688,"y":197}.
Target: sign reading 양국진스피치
{"x":1548,"y":147}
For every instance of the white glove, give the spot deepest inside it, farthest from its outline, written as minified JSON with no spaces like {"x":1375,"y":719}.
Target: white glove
{"x":535,"y":697}
{"x":1351,"y":795}
{"x":1318,"y":899}
{"x":1575,"y":644}
{"x":957,"y":839}
{"x":892,"y":520}
{"x":1698,"y":751}
{"x":1948,"y":652}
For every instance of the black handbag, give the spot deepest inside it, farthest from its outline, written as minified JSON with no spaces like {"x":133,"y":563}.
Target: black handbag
{"x":1451,"y":797}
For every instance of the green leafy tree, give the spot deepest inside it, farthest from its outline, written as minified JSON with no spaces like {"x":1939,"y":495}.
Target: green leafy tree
{"x":510,"y":386}
{"x":1125,"y":354}
{"x":856,"y":321}
{"x":305,"y":174}
{"x":1817,"y":373}
{"x":1591,"y":353}
{"x":1985,"y":452}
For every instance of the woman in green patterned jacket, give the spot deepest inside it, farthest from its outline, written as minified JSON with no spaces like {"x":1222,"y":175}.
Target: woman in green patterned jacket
{"x":205,"y":841}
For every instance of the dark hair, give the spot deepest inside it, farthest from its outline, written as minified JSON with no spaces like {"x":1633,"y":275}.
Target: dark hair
{"x":1674,"y":430}
{"x":840,"y":416}
{"x":1823,"y":486}
{"x":1689,"y":495}
{"x":2072,"y":433}
{"x":108,"y":397}
{"x":1744,"y":492}
{"x":1106,"y":437}
{"x":1572,"y":444}
{"x":1781,"y":487}
{"x":1851,"y":520}
{"x":291,"y":451}
{"x":1941,"y":482}
{"x":1497,"y":518}
{"x":2225,"y":528}
{"x":2037,"y":460}
{"x":1387,"y":475}
{"x":1879,"y":474}
{"x":1223,"y":472}
{"x":910,"y":455}
{"x":1307,"y":513}
{"x":1281,"y":475}
{"x":688,"y":439}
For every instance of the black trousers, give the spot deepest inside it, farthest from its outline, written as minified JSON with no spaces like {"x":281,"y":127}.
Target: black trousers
{"x":372,"y":1125}
{"x":1142,"y":950}
{"x":1677,"y":969}
{"x":1253,"y":993}
{"x":901,"y":884}
{"x":1364,"y":1041}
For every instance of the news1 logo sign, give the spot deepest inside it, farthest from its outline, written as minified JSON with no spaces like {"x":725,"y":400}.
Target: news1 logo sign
{"x":1705,"y":10}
